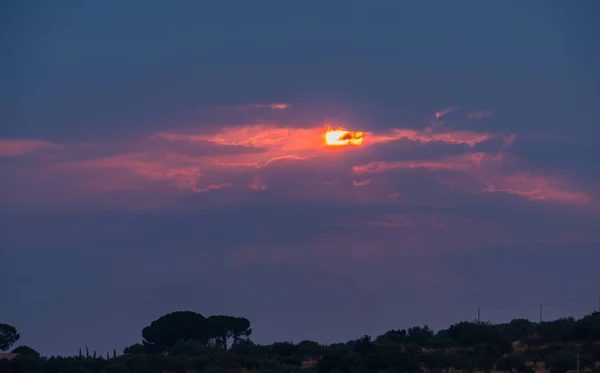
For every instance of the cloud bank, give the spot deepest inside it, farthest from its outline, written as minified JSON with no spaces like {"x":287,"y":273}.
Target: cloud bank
{"x":265,"y":156}
{"x":424,"y":185}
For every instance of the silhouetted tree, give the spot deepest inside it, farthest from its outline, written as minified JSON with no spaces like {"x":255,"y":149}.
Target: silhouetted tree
{"x":560,"y":330}
{"x":162,"y":334}
{"x":435,"y":360}
{"x":135,"y":349}
{"x":8,"y":336}
{"x":512,"y":362}
{"x":309,"y":349}
{"x":283,"y":348}
{"x":187,"y":348}
{"x":26,"y":350}
{"x":472,"y":333}
{"x":420,"y":336}
{"x":561,"y":361}
{"x":518,"y":329}
{"x":392,"y":337}
{"x":459,"y":359}
{"x":245,"y":348}
{"x":224,"y":327}
{"x":465,"y":346}
{"x":27,"y":364}
{"x":588,"y":327}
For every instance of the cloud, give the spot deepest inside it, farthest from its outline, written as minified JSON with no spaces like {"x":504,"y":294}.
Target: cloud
{"x":459,"y":163}
{"x":257,"y":184}
{"x":489,"y":171}
{"x":184,"y":156}
{"x":182,"y":170}
{"x":479,"y":114}
{"x":280,"y":106}
{"x":508,"y":140}
{"x":19,"y":147}
{"x":211,"y":187}
{"x":233,"y":108}
{"x":267,"y":200}
{"x":469,"y":138}
{"x":446,"y":111}
{"x":361,"y":182}
{"x":287,"y":162}
{"x":538,"y":188}
{"x":274,"y":106}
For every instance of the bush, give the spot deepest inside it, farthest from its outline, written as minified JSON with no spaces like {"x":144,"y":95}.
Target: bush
{"x":510,"y":362}
{"x":561,"y":361}
{"x":187,"y":348}
{"x":26,"y":350}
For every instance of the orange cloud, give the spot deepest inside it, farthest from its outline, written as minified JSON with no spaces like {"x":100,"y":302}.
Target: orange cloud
{"x":295,"y":164}
{"x":361,"y":183}
{"x":486,"y":169}
{"x":260,"y":136}
{"x":178,"y":169}
{"x":274,"y":106}
{"x":166,"y":163}
{"x":271,"y":143}
{"x":280,"y":106}
{"x":211,"y":187}
{"x":280,"y":143}
{"x":447,"y":163}
{"x":534,"y":187}
{"x":231,"y":153}
{"x":446,"y":111}
{"x":469,"y":138}
{"x":18,"y":147}
{"x":283,"y":157}
{"x":275,"y":144}
{"x":225,"y":108}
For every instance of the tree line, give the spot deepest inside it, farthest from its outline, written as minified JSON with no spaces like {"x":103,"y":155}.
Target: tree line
{"x":186,"y":341}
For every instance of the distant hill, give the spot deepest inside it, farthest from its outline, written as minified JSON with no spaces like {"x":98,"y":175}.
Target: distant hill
{"x":186,"y":342}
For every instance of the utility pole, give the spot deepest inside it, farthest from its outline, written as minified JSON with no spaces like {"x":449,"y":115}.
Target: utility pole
{"x":578,"y":362}
{"x":541,"y":312}
{"x":478,"y":315}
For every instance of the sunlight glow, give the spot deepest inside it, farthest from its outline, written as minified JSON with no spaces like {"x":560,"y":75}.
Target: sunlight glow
{"x":342,"y":137}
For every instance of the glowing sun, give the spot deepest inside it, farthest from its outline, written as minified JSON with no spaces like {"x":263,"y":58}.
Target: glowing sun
{"x":343,"y":137}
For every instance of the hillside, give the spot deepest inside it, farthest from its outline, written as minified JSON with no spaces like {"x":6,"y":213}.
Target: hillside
{"x":188,"y":342}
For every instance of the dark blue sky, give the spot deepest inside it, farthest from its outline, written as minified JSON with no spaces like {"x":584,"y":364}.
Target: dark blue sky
{"x":158,"y":157}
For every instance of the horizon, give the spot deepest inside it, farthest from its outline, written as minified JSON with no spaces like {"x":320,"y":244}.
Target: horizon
{"x":477,"y":320}
{"x":166,"y":157}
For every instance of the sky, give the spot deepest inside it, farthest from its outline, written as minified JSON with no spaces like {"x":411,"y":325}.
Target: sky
{"x":171,"y":156}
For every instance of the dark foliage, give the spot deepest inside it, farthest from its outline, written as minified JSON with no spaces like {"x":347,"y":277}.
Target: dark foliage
{"x":26,"y":350}
{"x":8,"y":336}
{"x":188,"y":342}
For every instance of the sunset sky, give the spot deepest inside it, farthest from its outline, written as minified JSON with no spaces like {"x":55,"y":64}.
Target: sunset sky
{"x":160,"y":156}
